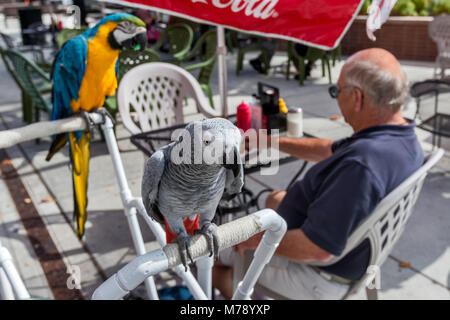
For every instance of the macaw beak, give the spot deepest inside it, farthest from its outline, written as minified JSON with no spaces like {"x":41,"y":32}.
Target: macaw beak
{"x":140,"y":40}
{"x":235,"y":164}
{"x":128,"y":36}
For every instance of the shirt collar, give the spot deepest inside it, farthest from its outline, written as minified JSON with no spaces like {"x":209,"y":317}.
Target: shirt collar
{"x":392,"y":129}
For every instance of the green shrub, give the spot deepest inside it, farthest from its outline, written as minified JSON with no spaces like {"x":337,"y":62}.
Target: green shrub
{"x":364,"y":7}
{"x":404,"y":8}
{"x":422,"y":5}
{"x":414,"y":7}
{"x":441,"y":7}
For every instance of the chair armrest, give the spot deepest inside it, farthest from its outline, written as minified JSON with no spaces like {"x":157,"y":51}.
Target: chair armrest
{"x":36,"y":51}
{"x":201,"y":64}
{"x":179,"y":55}
{"x":41,"y":73}
{"x":158,"y":43}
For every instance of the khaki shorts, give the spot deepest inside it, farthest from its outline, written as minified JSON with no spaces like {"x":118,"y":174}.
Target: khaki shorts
{"x":282,"y":278}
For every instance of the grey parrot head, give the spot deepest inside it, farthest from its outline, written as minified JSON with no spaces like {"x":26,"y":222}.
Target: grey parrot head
{"x":128,"y":35}
{"x":211,"y":142}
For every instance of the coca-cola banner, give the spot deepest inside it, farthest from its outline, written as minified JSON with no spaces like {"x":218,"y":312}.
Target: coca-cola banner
{"x":318,"y":23}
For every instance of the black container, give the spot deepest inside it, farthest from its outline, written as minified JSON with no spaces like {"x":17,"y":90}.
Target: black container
{"x":269,"y":96}
{"x":277,"y":121}
{"x":30,"y":18}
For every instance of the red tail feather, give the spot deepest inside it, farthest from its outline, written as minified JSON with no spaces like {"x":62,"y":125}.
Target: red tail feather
{"x":190,"y":225}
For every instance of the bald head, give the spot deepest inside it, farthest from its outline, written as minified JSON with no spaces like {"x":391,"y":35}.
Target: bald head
{"x":380,"y":57}
{"x":378,"y":73}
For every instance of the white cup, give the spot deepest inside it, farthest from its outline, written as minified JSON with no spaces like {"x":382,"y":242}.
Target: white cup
{"x":295,"y":122}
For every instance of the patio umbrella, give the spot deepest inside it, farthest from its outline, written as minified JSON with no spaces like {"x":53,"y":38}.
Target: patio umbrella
{"x":318,"y":23}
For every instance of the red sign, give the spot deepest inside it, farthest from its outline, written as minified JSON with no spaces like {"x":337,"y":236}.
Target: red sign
{"x":318,"y":23}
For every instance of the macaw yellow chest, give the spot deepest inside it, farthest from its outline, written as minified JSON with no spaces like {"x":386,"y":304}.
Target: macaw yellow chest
{"x":100,"y":77}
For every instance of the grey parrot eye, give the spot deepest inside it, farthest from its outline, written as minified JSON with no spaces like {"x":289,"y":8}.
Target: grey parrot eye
{"x":206,"y":142}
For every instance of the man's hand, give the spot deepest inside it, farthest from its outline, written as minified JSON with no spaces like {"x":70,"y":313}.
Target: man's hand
{"x":262,"y":141}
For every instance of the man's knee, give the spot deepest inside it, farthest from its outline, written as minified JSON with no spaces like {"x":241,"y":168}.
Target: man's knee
{"x":274,"y":199}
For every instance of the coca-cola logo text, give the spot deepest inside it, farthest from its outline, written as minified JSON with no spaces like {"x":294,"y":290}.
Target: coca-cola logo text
{"x":261,"y":9}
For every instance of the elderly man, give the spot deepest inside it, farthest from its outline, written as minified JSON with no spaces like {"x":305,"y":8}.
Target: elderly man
{"x":350,"y":178}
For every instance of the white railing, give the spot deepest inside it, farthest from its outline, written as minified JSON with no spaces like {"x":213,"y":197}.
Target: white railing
{"x":11,"y":285}
{"x":229,"y":234}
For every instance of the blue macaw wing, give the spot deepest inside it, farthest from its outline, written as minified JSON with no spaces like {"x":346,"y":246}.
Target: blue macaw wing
{"x":117,"y":71}
{"x":68,"y":73}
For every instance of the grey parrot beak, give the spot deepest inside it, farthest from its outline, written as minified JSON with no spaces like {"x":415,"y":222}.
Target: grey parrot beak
{"x":235,"y":165}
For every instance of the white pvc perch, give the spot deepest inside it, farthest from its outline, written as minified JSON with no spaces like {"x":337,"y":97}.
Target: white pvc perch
{"x":232,"y":233}
{"x":42,"y":129}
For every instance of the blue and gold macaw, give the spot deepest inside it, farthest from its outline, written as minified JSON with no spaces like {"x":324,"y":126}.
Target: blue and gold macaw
{"x":84,"y":73}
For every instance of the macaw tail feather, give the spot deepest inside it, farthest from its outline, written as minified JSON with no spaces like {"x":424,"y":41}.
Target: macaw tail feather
{"x":80,"y":154}
{"x":57,"y":144}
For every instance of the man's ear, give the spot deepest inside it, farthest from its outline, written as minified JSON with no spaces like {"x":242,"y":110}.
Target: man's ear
{"x":358,"y":102}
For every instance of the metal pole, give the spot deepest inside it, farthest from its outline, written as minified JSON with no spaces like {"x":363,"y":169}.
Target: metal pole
{"x":222,"y":52}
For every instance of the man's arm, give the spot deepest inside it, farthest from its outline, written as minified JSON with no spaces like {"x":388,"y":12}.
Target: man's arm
{"x":309,"y":149}
{"x":295,"y":245}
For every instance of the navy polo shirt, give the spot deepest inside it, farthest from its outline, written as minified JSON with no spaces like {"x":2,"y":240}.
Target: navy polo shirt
{"x":338,"y":193}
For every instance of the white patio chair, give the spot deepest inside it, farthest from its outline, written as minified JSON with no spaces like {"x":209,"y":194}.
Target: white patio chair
{"x":439,"y":31}
{"x":156,"y":92}
{"x":383,"y":228}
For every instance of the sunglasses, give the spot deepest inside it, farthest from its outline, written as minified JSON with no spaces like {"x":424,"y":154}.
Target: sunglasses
{"x":334,"y":90}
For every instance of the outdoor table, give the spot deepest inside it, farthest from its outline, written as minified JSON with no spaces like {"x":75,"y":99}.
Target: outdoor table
{"x":149,"y":142}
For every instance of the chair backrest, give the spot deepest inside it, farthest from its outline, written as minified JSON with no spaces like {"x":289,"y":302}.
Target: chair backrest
{"x":27,"y":72}
{"x":179,"y":36}
{"x":385,"y":225}
{"x":129,"y":59}
{"x":439,"y":31}
{"x":10,"y":68}
{"x":208,"y":43}
{"x":156,"y":92}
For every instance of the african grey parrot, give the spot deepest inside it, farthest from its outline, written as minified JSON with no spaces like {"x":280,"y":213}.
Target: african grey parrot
{"x":190,"y":176}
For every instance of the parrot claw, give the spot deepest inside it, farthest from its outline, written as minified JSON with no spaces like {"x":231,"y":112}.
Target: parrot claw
{"x":210,"y":232}
{"x":183,"y":244}
{"x":105,"y":113}
{"x":89,"y":123}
